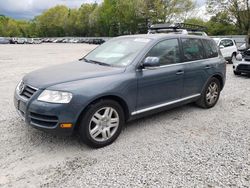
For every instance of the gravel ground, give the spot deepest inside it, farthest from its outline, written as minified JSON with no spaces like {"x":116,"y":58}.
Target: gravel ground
{"x":183,"y":147}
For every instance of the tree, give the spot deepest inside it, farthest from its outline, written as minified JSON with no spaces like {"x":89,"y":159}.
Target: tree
{"x":217,"y":25}
{"x":53,"y":22}
{"x":167,"y":10}
{"x":237,"y":10}
{"x":82,"y":22}
{"x":196,"y":21}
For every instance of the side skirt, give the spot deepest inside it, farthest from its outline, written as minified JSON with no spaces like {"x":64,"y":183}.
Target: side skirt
{"x":165,"y":104}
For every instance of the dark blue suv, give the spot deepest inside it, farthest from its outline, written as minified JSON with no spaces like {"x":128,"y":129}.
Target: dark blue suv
{"x":125,"y":78}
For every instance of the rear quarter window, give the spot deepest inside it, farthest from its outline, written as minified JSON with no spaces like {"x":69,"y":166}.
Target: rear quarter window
{"x":211,"y":48}
{"x":192,"y":49}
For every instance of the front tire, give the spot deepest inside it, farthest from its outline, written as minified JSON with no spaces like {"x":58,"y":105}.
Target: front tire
{"x":210,"y":95}
{"x":102,"y":123}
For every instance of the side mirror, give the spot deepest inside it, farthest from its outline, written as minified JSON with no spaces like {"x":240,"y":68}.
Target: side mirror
{"x":239,"y":57}
{"x":221,"y":46}
{"x":151,"y":62}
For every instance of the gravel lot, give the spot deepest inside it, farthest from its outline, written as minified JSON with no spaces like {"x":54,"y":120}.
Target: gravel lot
{"x":183,"y":147}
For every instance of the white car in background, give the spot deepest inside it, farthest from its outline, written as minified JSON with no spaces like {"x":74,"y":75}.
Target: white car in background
{"x":242,"y":62}
{"x":227,"y":47}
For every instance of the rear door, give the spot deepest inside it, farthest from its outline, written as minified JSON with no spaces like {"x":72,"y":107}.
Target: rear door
{"x":195,"y":66}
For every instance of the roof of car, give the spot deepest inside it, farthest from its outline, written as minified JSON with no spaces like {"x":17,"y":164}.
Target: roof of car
{"x":162,"y":35}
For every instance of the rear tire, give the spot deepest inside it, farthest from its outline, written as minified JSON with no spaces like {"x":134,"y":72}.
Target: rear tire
{"x":102,"y":123}
{"x":210,"y":94}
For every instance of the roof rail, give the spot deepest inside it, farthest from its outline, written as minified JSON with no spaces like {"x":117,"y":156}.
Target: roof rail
{"x":183,"y":28}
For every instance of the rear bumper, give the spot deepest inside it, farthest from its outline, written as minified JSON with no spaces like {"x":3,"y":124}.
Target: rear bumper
{"x":46,"y":116}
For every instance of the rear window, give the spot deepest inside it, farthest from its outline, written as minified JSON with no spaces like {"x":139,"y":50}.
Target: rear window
{"x":192,"y":49}
{"x":211,"y":48}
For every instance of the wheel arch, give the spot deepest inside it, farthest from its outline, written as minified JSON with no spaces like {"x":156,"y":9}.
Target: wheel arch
{"x":234,"y":54}
{"x":116,"y":98}
{"x":220,"y":78}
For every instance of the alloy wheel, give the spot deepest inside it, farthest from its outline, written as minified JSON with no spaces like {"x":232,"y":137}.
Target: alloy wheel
{"x":212,"y":93}
{"x":104,"y":124}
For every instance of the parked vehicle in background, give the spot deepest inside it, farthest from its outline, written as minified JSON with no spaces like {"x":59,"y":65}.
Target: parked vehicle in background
{"x":4,"y":40}
{"x":29,"y":41}
{"x":242,"y":62}
{"x":13,"y":40}
{"x":98,"y":41}
{"x":242,"y":48}
{"x":113,"y":84}
{"x":21,"y":41}
{"x":227,"y":47}
{"x":37,"y":41}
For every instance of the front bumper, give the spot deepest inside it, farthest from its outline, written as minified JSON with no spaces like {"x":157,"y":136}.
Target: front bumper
{"x":46,"y":116}
{"x":242,"y":66}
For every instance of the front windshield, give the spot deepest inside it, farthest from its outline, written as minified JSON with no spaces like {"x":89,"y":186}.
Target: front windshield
{"x":118,"y":52}
{"x":243,"y":46}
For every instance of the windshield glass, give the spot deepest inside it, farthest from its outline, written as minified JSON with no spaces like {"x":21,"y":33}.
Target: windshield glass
{"x":243,"y":46}
{"x":118,"y":52}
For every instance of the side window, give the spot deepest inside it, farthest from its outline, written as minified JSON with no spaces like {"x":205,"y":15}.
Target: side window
{"x":167,"y":51}
{"x":210,"y":48}
{"x":192,"y":49}
{"x":226,"y":43}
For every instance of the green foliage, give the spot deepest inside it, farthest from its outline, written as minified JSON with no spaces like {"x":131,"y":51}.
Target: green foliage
{"x":196,"y":21}
{"x":236,"y":11}
{"x":219,"y":24}
{"x":112,"y":18}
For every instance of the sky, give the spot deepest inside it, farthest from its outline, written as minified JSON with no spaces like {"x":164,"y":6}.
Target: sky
{"x":28,"y":9}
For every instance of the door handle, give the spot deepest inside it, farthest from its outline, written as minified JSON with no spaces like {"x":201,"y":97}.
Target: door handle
{"x":179,"y":72}
{"x":208,"y":67}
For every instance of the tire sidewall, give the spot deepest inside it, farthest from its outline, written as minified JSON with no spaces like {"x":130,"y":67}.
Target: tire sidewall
{"x":91,"y":110}
{"x":205,"y":92}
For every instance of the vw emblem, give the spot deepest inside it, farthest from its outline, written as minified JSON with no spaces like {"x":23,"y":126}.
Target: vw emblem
{"x":21,"y":88}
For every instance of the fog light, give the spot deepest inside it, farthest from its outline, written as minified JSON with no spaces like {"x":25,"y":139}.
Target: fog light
{"x":66,"y":125}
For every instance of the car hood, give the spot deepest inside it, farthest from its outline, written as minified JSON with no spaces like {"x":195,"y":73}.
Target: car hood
{"x":58,"y":74}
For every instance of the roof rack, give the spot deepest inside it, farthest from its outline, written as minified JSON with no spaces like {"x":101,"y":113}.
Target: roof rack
{"x":183,"y":28}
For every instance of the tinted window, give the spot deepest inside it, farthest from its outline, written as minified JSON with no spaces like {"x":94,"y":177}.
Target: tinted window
{"x":192,"y":49}
{"x":167,"y":51}
{"x":226,"y":43}
{"x":210,"y":48}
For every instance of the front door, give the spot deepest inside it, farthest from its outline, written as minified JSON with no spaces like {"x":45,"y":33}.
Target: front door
{"x":164,"y":83}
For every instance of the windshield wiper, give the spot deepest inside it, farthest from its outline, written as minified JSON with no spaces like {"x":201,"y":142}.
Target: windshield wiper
{"x":98,"y":62}
{"x":95,"y":62}
{"x":83,"y":58}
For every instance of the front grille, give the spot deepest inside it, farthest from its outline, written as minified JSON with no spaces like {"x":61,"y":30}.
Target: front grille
{"x":247,"y":58}
{"x":247,"y":52}
{"x":43,"y":120}
{"x":243,"y":67}
{"x":28,"y":91}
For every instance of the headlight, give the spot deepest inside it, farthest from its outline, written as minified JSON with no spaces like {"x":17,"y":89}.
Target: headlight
{"x":55,"y":96}
{"x":19,"y":87}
